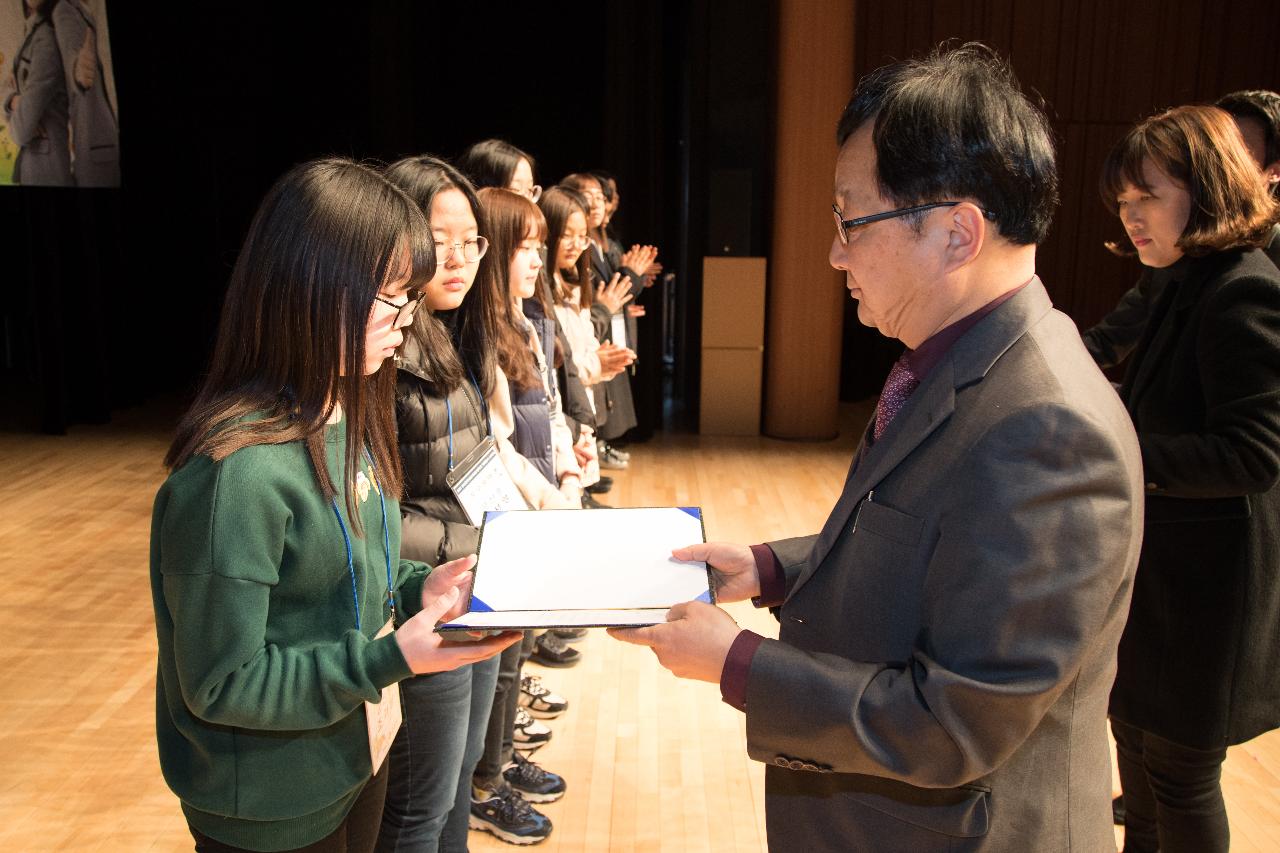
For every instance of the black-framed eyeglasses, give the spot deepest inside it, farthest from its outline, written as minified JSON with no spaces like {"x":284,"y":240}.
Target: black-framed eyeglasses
{"x":844,"y":226}
{"x":404,"y":311}
{"x":472,"y":250}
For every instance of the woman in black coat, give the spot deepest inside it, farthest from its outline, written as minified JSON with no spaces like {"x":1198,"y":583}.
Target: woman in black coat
{"x":1199,"y":662}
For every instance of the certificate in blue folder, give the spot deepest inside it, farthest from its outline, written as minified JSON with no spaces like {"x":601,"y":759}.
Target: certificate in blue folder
{"x":583,"y":568}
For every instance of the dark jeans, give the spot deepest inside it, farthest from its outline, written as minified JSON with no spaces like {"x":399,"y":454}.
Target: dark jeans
{"x":502,"y":719}
{"x":1172,"y":794}
{"x":446,"y":715}
{"x":356,"y":834}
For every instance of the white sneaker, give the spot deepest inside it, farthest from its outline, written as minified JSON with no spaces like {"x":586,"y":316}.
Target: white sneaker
{"x":539,"y":701}
{"x":529,"y":734}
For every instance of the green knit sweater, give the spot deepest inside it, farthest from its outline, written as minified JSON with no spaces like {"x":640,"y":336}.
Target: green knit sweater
{"x":262,"y":674}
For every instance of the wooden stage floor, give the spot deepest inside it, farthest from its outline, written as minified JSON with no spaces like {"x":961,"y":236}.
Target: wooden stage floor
{"x":652,"y":763}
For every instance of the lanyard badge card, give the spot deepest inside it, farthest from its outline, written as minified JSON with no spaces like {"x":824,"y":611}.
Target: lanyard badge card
{"x":481,"y":483}
{"x":618,"y":329}
{"x":384,"y":717}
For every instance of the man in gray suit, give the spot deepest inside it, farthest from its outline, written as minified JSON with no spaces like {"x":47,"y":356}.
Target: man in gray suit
{"x":948,"y":641}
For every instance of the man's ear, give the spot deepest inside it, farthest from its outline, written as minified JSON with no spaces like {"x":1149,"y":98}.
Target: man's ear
{"x":966,"y":234}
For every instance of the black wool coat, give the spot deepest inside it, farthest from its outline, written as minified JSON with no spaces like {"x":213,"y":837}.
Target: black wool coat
{"x":1199,"y":661}
{"x":434,"y":526}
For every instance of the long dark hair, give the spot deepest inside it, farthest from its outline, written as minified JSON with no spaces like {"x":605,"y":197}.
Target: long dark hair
{"x":468,"y":331}
{"x":511,"y":218}
{"x":492,"y":163}
{"x":328,"y":236}
{"x":558,"y":204}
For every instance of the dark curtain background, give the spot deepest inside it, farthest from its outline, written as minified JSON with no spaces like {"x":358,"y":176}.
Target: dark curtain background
{"x":112,"y":296}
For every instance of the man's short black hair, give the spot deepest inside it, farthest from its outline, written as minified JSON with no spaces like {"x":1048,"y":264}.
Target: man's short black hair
{"x":1264,"y":107}
{"x":957,"y":125}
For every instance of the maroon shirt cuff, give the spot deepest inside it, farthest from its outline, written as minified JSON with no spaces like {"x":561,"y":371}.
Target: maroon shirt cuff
{"x":737,"y":666}
{"x":773,"y":581}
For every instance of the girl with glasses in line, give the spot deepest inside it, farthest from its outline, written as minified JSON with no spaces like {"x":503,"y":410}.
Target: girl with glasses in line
{"x":448,"y":368}
{"x":285,"y":615}
{"x":620,"y":279}
{"x":529,"y":411}
{"x":596,"y":362}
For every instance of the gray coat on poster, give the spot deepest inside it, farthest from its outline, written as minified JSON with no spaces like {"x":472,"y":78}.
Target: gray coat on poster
{"x":95,"y":138}
{"x":948,"y":641}
{"x":36,"y":110}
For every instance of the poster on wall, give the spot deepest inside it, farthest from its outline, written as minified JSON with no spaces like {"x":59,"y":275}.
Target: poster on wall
{"x":58,"y":125}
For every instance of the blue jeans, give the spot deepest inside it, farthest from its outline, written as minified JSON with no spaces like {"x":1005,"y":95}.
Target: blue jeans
{"x":428,"y":802}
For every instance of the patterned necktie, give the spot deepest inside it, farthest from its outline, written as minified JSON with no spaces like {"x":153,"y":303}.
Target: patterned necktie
{"x":897,"y":388}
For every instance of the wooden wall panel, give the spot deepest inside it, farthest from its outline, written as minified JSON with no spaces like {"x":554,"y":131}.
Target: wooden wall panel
{"x":802,"y":353}
{"x":1099,"y":66}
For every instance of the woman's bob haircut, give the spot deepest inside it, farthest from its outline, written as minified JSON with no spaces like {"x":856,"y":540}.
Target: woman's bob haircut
{"x":1200,"y":148}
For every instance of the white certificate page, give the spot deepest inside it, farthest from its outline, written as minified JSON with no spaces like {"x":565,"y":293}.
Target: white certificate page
{"x":599,"y":567}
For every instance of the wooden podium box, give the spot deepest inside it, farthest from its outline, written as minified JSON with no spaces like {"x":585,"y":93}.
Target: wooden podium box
{"x":732,"y":345}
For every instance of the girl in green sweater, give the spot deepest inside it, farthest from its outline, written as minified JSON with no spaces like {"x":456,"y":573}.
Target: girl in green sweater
{"x":284,"y":615}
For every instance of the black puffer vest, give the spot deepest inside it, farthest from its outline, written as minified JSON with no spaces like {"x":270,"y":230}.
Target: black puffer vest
{"x":435,"y":528}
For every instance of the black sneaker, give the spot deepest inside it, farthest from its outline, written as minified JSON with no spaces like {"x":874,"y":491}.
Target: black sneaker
{"x":539,"y":701}
{"x":550,"y":650}
{"x":505,"y":813}
{"x":600,"y":486}
{"x":529,"y":734}
{"x":531,"y":781}
{"x":589,"y":502}
{"x":569,"y":635}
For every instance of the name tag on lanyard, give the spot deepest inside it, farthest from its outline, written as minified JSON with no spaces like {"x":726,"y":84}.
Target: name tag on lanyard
{"x":481,"y":483}
{"x":384,"y":717}
{"x":618,"y":329}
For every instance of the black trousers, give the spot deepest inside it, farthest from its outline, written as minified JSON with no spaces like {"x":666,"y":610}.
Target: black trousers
{"x":1172,"y":794}
{"x":357,"y":833}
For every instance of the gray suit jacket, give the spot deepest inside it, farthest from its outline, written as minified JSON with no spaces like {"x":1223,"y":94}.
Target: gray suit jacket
{"x":948,"y":641}
{"x":94,"y":136}
{"x":39,"y":124}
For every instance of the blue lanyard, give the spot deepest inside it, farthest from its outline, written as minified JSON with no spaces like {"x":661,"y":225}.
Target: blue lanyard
{"x":484,"y":404}
{"x":386,"y":550}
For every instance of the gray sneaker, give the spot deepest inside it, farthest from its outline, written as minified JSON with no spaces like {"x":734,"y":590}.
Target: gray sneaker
{"x":610,"y":460}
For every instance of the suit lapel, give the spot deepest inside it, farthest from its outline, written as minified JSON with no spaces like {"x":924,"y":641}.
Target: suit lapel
{"x":930,"y":405}
{"x":600,"y":265}
{"x":928,"y":408}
